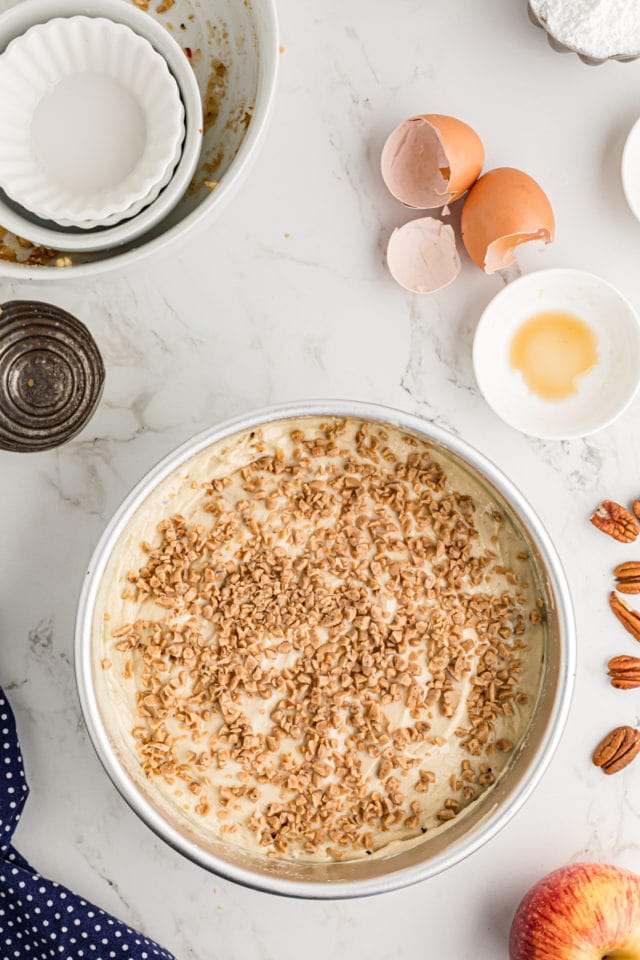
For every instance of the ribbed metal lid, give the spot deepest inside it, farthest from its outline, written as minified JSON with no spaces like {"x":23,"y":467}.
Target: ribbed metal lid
{"x":51,"y":376}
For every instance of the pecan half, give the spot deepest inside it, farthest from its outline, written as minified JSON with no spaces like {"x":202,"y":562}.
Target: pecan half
{"x":630,"y":568}
{"x":630,"y":619}
{"x":636,"y":508}
{"x":628,"y":577}
{"x":617,"y":749}
{"x":615,"y":520}
{"x":624,"y":672}
{"x":629,"y":586}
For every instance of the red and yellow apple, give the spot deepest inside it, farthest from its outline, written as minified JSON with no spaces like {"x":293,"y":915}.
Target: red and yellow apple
{"x":585,"y":911}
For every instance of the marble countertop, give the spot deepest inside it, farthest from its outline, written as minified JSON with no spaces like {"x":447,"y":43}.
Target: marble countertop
{"x":287,"y":297}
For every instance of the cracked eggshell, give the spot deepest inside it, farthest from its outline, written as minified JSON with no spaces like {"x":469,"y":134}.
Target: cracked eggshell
{"x":505,"y":208}
{"x":422,"y":255}
{"x":431,"y":160}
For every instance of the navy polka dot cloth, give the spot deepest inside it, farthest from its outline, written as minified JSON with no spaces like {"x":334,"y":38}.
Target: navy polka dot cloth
{"x":39,"y":919}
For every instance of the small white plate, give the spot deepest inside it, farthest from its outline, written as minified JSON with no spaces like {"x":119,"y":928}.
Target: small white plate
{"x":631,"y":169}
{"x":603,"y":393}
{"x":91,"y":116}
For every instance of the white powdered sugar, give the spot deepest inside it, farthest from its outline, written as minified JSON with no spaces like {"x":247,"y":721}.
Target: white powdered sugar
{"x":596,"y":28}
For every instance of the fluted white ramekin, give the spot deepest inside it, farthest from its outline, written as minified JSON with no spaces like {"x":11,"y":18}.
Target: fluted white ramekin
{"x":92,"y":120}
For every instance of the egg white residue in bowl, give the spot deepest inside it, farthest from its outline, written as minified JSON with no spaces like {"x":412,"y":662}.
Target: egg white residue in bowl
{"x":319,"y":640}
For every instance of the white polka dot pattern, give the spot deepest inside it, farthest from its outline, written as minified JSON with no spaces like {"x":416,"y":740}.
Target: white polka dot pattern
{"x":39,"y":919}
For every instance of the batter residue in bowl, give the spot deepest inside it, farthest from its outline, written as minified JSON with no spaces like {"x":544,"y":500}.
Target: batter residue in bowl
{"x":317,"y":639}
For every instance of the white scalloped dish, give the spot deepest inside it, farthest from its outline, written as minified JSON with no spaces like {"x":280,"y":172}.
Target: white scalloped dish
{"x":92,"y":120}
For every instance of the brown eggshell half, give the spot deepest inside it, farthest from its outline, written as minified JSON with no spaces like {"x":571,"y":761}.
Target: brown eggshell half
{"x":430,"y":160}
{"x":422,"y":255}
{"x":505,"y":208}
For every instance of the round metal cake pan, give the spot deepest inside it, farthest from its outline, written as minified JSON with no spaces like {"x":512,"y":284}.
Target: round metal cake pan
{"x":486,"y":816}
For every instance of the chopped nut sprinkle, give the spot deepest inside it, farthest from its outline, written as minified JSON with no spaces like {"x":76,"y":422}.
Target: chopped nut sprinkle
{"x":329,"y":626}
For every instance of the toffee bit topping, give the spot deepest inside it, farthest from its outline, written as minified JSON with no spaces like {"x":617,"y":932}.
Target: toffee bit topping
{"x":322,"y":617}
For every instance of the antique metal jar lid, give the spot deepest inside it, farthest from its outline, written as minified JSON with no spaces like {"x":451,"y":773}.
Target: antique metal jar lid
{"x":51,"y":376}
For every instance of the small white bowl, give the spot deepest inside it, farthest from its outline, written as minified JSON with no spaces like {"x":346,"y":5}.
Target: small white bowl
{"x":631,"y":169}
{"x":44,"y":232}
{"x":128,"y":226}
{"x":91,"y":119}
{"x":248,"y":46}
{"x":603,"y":393}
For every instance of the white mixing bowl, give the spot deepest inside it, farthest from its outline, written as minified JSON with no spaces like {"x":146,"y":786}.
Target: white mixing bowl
{"x":161,"y":200}
{"x":234,"y":52}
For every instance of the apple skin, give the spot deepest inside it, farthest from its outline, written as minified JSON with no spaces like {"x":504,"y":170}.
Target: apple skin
{"x":584,"y":911}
